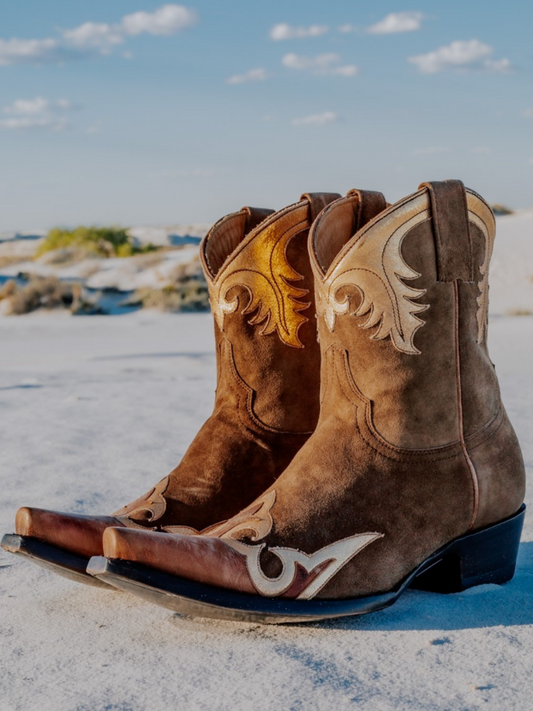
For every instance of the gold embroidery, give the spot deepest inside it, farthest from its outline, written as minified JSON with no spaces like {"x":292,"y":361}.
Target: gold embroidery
{"x":256,"y":522}
{"x":481,"y":215}
{"x":262,"y":270}
{"x":375,"y":266}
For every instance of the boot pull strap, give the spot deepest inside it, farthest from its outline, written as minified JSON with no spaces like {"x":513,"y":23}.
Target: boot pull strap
{"x":371,"y":203}
{"x":451,"y":230}
{"x":254,"y":216}
{"x":317,"y":202}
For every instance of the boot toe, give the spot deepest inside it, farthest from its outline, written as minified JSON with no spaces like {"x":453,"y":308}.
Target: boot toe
{"x":23,"y":521}
{"x":81,"y":535}
{"x":199,"y":558}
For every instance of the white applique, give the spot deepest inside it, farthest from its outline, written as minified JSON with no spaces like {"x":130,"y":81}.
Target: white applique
{"x":375,"y":266}
{"x":256,"y":522}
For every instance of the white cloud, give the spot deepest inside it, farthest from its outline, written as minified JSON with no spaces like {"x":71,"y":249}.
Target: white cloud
{"x":345,"y":29}
{"x":283,"y":31}
{"x":321,"y":64}
{"x":397,"y":22}
{"x":528,"y":113}
{"x":91,"y":37}
{"x":36,"y":113}
{"x":316,"y":119}
{"x":501,"y":66}
{"x":251,"y":76}
{"x":21,"y":122}
{"x":32,"y":51}
{"x":166,"y":20}
{"x":28,"y":106}
{"x":460,"y":55}
{"x":348,"y":70}
{"x":481,"y":150}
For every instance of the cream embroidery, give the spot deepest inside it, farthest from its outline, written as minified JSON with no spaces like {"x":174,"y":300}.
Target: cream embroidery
{"x":256,"y":522}
{"x":149,"y":510}
{"x":375,"y":266}
{"x":335,"y":555}
{"x":262,"y":269}
{"x":481,"y":215}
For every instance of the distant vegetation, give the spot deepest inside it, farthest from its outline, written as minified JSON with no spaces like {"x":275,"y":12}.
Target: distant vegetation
{"x":188,"y":296}
{"x":99,"y":241}
{"x":40,"y":292}
{"x":501,"y":210}
{"x":45,"y":293}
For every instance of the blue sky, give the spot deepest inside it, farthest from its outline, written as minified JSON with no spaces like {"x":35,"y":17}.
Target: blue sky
{"x":162,"y":113}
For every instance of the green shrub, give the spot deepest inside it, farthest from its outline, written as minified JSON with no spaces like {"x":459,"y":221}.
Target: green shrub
{"x":100,"y":241}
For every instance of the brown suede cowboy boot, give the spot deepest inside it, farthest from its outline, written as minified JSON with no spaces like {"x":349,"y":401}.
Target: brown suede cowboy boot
{"x":413,"y":476}
{"x":260,"y":281}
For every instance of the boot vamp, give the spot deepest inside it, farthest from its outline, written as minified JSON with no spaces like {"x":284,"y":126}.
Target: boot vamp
{"x":78,"y":534}
{"x":225,"y":467}
{"x":344,"y":520}
{"x":340,"y":489}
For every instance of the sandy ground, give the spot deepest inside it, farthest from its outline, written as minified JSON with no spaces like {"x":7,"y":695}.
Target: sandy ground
{"x":93,"y":412}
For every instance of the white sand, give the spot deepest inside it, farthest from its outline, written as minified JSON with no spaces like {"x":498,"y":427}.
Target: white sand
{"x":94,"y":410}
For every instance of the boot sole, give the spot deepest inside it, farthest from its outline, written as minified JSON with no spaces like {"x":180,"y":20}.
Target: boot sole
{"x":486,"y":556}
{"x":58,"y":560}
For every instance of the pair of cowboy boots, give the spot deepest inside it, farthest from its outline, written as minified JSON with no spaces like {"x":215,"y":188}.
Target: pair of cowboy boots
{"x":379,"y":459}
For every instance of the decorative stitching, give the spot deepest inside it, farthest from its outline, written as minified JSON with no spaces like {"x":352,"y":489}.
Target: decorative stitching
{"x":260,"y":523}
{"x":481,"y":216}
{"x":151,"y":509}
{"x":246,"y":392}
{"x":377,"y":268}
{"x":469,"y":463}
{"x":363,"y":412}
{"x":271,"y":295}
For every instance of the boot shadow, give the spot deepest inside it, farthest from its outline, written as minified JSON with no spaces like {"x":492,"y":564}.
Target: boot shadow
{"x":483,"y":606}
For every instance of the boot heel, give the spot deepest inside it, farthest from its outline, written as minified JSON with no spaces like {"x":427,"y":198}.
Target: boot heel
{"x":486,"y":556}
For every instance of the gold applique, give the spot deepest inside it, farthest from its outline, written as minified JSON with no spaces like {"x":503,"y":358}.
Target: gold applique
{"x":262,"y":269}
{"x":375,"y":266}
{"x":481,"y":215}
{"x":256,"y":522}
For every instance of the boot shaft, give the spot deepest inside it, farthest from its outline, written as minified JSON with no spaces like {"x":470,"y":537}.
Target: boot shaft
{"x":402,"y":312}
{"x":261,"y":291}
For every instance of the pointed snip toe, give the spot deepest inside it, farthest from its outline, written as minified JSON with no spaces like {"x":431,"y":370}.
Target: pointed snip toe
{"x":207,"y":560}
{"x":59,"y":542}
{"x":204,"y":590}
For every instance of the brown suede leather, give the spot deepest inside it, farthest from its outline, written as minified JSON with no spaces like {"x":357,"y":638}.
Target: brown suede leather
{"x":267,"y":399}
{"x":413,"y":447}
{"x":451,"y":229}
